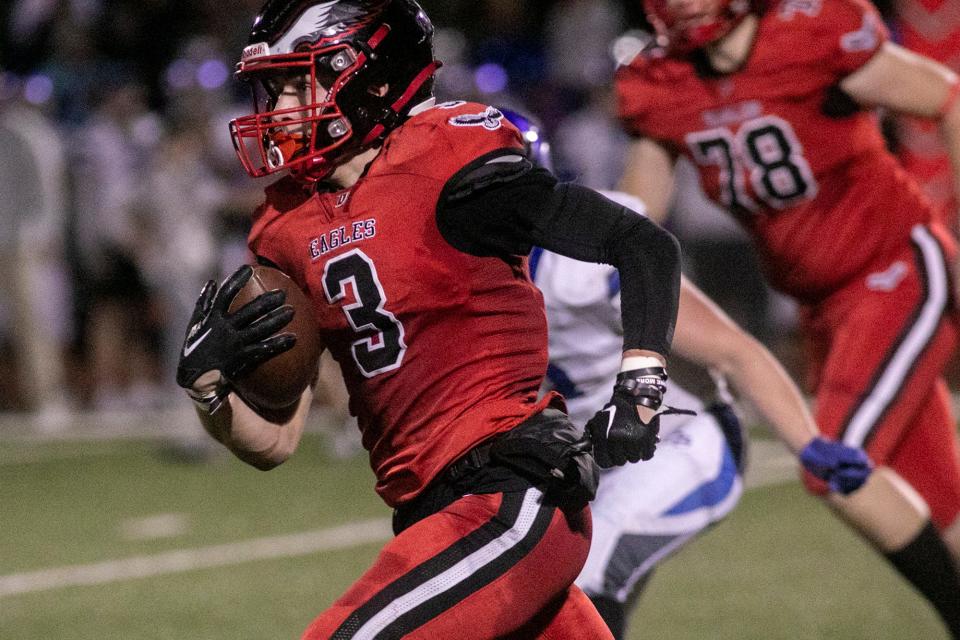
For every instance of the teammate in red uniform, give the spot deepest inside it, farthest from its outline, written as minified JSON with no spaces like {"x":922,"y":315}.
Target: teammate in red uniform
{"x":769,"y":102}
{"x":408,"y":224}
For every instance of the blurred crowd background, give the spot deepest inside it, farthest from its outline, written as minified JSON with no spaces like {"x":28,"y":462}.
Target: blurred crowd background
{"x":120,"y":193}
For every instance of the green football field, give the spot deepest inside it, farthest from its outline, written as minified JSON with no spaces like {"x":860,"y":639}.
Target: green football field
{"x":112,"y":539}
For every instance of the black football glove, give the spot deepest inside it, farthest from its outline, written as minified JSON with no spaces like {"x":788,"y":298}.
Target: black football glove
{"x":618,"y":434}
{"x":233,"y":343}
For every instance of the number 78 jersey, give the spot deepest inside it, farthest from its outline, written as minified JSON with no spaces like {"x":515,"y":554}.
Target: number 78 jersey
{"x":781,"y":147}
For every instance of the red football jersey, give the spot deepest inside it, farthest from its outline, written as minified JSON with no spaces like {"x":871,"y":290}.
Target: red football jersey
{"x":776,"y":143}
{"x":440,"y":350}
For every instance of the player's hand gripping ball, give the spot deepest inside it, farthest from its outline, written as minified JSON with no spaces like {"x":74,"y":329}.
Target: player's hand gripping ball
{"x":279,"y":382}
{"x":257,"y":329}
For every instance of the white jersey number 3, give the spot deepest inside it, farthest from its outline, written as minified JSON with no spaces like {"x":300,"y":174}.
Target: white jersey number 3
{"x":381,"y":345}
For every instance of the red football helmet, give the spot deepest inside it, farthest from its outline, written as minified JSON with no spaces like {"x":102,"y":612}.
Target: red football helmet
{"x":356,"y":66}
{"x":685,"y":25}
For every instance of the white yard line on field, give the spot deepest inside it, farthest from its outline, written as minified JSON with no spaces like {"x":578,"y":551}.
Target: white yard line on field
{"x":342,"y":537}
{"x":10,"y":459}
{"x":768,"y":464}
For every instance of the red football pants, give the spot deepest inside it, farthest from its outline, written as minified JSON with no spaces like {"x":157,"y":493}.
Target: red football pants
{"x":879,"y":347}
{"x":487,"y":566}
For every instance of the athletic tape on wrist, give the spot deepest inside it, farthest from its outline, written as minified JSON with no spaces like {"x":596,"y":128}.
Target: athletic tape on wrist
{"x":633,"y":363}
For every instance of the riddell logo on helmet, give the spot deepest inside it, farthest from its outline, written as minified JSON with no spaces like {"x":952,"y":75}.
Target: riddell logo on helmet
{"x":255,"y":51}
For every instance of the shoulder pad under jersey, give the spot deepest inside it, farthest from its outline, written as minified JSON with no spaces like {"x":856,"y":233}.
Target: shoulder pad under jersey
{"x":846,"y":33}
{"x":440,"y":141}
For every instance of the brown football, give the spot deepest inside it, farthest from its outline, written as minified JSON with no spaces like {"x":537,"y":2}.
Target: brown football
{"x":278,"y":383}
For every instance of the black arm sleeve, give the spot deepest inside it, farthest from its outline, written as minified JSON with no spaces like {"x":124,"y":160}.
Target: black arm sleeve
{"x":501,"y":205}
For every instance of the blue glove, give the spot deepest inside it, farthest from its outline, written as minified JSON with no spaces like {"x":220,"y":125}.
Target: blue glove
{"x":843,"y":468}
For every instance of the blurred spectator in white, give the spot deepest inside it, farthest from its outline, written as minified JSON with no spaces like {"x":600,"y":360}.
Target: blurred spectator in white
{"x":577,"y":35}
{"x":455,"y":79}
{"x":117,"y":320}
{"x":190,"y":187}
{"x":33,"y":282}
{"x":590,"y":142}
{"x":182,"y":197}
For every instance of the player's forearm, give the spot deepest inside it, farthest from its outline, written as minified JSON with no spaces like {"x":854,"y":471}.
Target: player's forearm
{"x":902,"y":81}
{"x":252,"y":438}
{"x":707,"y":336}
{"x":649,"y":176}
{"x":648,"y":260}
{"x":759,"y":378}
{"x":908,"y":83}
{"x":950,"y":130}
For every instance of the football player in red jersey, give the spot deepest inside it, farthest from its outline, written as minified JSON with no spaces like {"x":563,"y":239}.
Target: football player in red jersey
{"x":408,"y":223}
{"x":771,"y":102}
{"x":646,"y":512}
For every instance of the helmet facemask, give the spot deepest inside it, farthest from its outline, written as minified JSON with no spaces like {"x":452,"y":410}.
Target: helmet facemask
{"x":303,"y":138}
{"x":360,"y":64}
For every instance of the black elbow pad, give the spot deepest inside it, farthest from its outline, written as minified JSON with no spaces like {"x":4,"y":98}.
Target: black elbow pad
{"x":489,"y":208}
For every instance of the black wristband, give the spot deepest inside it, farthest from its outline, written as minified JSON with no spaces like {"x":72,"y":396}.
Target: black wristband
{"x":645,"y":386}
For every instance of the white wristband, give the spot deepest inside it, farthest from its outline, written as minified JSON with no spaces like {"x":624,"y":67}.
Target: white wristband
{"x":632,"y":363}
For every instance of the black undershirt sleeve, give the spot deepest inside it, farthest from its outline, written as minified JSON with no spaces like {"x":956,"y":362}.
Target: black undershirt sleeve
{"x":501,"y":205}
